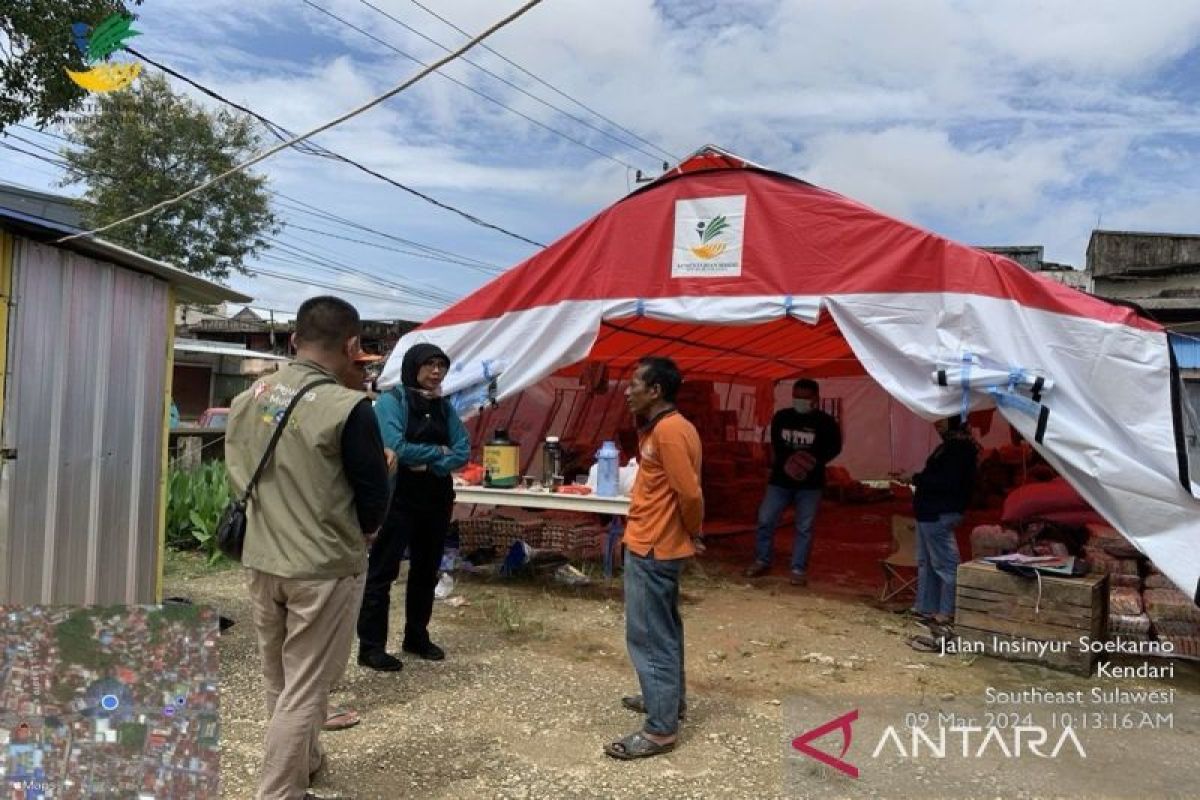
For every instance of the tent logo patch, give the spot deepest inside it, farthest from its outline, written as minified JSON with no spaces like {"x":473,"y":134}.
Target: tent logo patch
{"x":707,"y":231}
{"x":708,"y":237}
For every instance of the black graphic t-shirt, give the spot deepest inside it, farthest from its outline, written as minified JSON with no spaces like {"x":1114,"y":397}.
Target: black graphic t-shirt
{"x":815,"y":433}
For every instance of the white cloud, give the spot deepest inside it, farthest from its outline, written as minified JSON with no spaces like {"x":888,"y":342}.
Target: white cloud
{"x":1019,"y":121}
{"x":914,"y":171}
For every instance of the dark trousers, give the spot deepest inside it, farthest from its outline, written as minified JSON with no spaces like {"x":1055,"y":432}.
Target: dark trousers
{"x":423,"y":530}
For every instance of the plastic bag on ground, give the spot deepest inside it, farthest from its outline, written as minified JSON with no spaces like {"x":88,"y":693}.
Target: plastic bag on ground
{"x":570,"y":576}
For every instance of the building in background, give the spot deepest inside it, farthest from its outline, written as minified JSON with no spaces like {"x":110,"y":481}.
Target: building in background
{"x":1160,"y":272}
{"x":214,"y":352}
{"x":1032,"y":258}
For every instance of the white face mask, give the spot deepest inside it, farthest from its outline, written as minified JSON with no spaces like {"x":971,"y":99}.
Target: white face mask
{"x":802,"y":406}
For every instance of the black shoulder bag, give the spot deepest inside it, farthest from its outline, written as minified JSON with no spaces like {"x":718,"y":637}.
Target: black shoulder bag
{"x":231,"y":530}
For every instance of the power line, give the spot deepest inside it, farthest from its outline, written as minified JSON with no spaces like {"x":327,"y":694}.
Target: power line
{"x":42,"y":147}
{"x":322,"y":214}
{"x":548,"y":85}
{"x":468,"y":87}
{"x":320,"y":261}
{"x":395,"y":90}
{"x":303,"y":257}
{"x":429,"y":251}
{"x":348,"y":290}
{"x":13,"y":147}
{"x":418,"y":254}
{"x":312,"y":148}
{"x":510,"y":84}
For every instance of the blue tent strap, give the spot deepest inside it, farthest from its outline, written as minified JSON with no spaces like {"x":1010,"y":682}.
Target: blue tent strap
{"x":1026,"y":406}
{"x":789,"y":303}
{"x":640,"y":308}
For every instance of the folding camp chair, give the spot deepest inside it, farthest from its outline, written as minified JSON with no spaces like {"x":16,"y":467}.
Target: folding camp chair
{"x":900,"y":567}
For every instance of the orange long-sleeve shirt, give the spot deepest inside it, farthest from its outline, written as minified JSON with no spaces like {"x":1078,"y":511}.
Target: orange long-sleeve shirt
{"x":667,"y":506}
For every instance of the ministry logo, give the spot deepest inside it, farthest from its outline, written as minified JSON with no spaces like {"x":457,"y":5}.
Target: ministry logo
{"x":96,"y":45}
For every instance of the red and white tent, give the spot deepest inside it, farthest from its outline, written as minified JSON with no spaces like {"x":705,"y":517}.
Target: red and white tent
{"x":738,"y":272}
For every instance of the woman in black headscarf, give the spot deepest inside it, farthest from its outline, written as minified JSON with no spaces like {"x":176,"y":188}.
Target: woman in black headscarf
{"x":429,"y":441}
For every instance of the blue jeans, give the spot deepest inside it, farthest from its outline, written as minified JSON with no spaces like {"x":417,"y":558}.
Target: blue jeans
{"x":654,"y":637}
{"x":773,"y":505}
{"x":937,"y":565}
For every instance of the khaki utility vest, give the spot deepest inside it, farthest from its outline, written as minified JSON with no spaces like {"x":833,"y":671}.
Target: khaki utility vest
{"x":301,"y":520}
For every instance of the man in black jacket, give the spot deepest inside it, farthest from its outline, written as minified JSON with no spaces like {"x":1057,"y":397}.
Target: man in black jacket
{"x":943,"y":490}
{"x":803,"y":440}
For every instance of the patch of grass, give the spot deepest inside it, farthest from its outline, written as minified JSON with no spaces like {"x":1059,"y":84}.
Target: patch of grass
{"x":507,"y":614}
{"x":187,"y":564}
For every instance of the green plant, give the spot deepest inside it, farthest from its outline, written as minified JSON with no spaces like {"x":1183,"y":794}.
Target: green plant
{"x":507,"y":614}
{"x":195,"y":500}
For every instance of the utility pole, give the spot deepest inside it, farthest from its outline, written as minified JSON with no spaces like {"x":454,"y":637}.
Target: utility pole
{"x":271,"y":311}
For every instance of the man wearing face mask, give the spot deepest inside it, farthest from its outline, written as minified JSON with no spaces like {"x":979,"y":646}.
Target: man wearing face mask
{"x":429,"y":441}
{"x":803,"y":440}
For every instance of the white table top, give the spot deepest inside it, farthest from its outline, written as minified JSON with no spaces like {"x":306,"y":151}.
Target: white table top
{"x":525,"y":499}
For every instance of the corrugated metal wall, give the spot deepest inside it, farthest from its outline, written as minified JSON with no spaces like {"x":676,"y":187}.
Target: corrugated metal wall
{"x":84,"y":412}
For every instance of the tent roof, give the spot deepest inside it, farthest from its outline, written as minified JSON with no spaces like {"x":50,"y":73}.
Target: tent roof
{"x":799,"y":240}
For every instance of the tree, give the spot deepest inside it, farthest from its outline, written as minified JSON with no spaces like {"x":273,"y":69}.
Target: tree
{"x":147,"y":144}
{"x":36,"y":49}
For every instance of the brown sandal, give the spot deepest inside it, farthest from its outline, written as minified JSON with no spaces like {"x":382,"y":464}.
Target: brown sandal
{"x":340,"y":719}
{"x":636,"y":745}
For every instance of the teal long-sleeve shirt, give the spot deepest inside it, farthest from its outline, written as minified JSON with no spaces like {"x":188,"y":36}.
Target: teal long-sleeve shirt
{"x":391,"y":411}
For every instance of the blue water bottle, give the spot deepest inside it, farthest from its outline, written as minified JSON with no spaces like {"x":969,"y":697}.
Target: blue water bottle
{"x":607,"y":470}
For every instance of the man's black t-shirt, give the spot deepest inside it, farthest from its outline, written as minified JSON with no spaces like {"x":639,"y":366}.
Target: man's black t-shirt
{"x":816,"y":433}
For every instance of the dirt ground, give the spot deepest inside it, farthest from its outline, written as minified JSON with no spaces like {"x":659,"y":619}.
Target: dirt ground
{"x":535,"y":671}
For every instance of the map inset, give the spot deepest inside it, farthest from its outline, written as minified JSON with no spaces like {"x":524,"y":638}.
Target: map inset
{"x":113,"y":702}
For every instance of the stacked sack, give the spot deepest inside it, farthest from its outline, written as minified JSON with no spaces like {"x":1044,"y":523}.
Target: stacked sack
{"x":993,"y":540}
{"x":1126,"y":617}
{"x":1109,"y":553}
{"x":1142,"y":608}
{"x":1175,"y":618}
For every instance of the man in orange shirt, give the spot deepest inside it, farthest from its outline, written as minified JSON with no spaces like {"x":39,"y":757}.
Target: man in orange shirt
{"x":663,"y":530}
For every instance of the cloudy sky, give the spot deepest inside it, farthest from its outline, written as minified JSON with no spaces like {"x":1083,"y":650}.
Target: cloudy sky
{"x":1017,"y":122}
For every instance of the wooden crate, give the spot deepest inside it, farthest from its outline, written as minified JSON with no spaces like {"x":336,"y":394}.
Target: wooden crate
{"x":993,"y":607}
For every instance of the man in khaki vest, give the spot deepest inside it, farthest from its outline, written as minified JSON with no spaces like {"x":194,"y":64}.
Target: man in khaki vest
{"x":322,"y":496}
